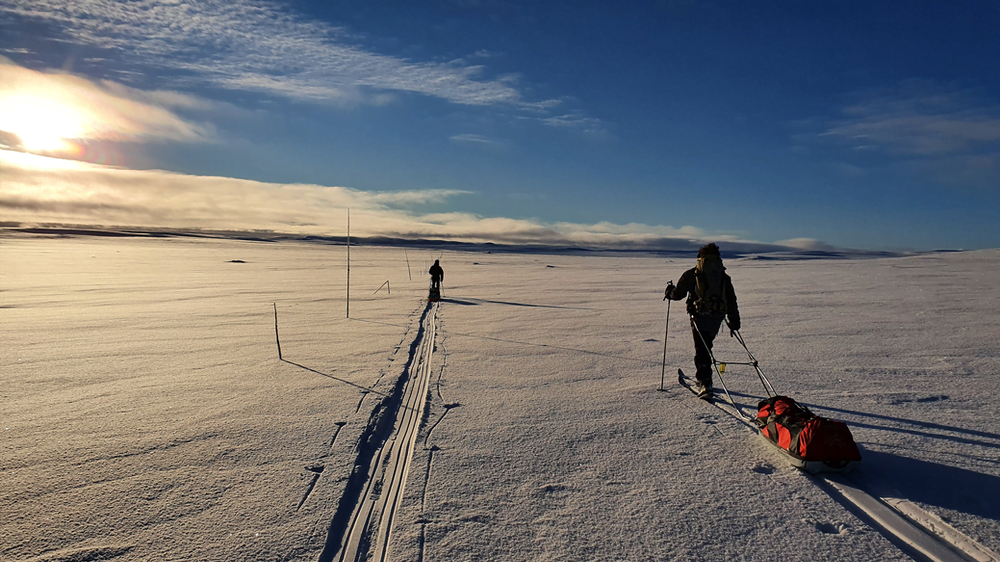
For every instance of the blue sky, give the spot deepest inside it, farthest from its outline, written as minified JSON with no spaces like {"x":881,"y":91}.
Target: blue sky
{"x":853,"y":124}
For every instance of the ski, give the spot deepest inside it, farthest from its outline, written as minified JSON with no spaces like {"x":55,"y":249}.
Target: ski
{"x":690,"y":385}
{"x":721,"y":404}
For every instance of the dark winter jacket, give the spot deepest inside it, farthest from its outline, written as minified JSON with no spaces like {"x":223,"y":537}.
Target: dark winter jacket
{"x":436,"y":272}
{"x":686,"y":288}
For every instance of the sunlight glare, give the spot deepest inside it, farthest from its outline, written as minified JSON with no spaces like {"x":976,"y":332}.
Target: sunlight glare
{"x":42,"y":124}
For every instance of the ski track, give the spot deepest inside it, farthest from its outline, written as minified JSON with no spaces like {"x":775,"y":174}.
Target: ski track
{"x":423,"y":520}
{"x":368,"y":533}
{"x":917,"y":532}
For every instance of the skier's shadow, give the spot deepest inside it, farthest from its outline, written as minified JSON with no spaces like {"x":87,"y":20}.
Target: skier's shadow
{"x":926,"y":429}
{"x":930,"y":483}
{"x":460,"y":302}
{"x":472,"y":300}
{"x":919,"y":428}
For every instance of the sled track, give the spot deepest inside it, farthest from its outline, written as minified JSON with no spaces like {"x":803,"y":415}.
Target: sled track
{"x":917,"y":532}
{"x":384,"y":459}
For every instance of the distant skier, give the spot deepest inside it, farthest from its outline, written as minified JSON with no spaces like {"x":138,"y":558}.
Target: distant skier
{"x":711,"y":298}
{"x":437,"y":275}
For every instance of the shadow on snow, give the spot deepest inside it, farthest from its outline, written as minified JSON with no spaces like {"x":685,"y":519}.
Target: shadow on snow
{"x":919,"y":429}
{"x":931,"y":484}
{"x":471,"y":301}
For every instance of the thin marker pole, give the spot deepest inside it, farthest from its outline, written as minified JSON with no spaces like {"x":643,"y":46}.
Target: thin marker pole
{"x":348,"y":262}
{"x":407,"y":265}
{"x":276,"y":338}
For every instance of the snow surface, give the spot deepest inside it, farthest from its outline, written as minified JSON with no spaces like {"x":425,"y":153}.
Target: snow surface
{"x":145,"y":413}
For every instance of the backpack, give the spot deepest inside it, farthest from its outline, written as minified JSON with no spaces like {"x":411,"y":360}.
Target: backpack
{"x":803,"y":434}
{"x":710,"y":292}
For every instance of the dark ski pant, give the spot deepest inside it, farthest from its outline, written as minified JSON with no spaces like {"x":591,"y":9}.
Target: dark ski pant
{"x":435,"y":282}
{"x":708,"y":328}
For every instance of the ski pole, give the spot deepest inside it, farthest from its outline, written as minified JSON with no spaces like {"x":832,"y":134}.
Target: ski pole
{"x":666,"y":331}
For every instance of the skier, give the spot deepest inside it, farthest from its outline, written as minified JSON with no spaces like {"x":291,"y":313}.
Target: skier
{"x":711,"y":298}
{"x":437,"y":275}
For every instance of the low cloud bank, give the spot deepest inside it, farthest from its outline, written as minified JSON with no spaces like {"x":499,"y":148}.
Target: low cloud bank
{"x":40,"y":190}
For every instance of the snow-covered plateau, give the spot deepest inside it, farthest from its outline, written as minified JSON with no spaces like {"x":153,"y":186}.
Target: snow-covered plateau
{"x":145,"y":412}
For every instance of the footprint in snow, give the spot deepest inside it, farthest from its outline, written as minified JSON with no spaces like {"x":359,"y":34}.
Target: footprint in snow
{"x":553,"y":490}
{"x":831,"y":529}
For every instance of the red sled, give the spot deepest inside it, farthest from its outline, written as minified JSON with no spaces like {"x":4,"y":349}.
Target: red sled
{"x":814,"y":443}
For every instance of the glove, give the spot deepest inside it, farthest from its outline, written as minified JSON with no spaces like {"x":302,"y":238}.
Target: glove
{"x":669,"y":291}
{"x":733,"y":328}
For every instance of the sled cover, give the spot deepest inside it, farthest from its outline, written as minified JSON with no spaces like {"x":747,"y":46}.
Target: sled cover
{"x":804,"y":435}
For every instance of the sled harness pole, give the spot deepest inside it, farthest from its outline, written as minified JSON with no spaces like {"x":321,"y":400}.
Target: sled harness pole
{"x":715,"y":363}
{"x":753,"y":362}
{"x":666,"y":330}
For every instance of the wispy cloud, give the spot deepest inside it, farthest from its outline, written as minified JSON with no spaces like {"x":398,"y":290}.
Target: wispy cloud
{"x":919,"y":120}
{"x":46,"y":190}
{"x":258,"y":46}
{"x":590,"y":126}
{"x":471,"y":138}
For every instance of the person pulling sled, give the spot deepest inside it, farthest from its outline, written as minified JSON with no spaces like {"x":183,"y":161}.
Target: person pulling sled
{"x":437,"y":276}
{"x":711,"y":299}
{"x":813,"y":443}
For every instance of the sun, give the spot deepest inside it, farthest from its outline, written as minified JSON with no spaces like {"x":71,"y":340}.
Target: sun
{"x":42,"y":124}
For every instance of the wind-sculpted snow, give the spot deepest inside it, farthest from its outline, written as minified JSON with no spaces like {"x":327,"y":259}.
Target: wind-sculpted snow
{"x":145,"y":413}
